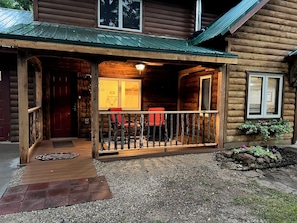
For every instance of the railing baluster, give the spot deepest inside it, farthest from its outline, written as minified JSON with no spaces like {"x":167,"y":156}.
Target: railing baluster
{"x":177,"y":129}
{"x":187,"y":128}
{"x":141,"y":130}
{"x":154,"y":130}
{"x":123,"y":139}
{"x":109,"y":130}
{"x":214,"y":127}
{"x":183,"y":128}
{"x":135,"y":130}
{"x":166,"y":130}
{"x":116,"y":132}
{"x":171,"y":129}
{"x":208,"y":128}
{"x":203,"y":126}
{"x":128,"y":129}
{"x":193,"y":127}
{"x":101,"y":138}
{"x":198,"y":128}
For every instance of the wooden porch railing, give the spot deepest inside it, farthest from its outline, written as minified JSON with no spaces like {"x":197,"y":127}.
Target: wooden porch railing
{"x":180,"y":129}
{"x":35,"y":125}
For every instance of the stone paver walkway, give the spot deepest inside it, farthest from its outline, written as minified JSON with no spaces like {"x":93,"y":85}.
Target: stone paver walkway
{"x":39,"y":196}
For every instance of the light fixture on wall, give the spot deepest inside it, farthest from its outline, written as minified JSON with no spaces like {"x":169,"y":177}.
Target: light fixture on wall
{"x":140,"y":67}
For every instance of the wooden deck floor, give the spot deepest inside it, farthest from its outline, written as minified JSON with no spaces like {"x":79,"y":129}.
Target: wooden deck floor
{"x":48,"y":171}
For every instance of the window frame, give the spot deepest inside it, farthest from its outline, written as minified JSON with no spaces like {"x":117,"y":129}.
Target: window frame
{"x":264,"y":90}
{"x":120,"y":18}
{"x":120,"y":93}
{"x":201,"y":78}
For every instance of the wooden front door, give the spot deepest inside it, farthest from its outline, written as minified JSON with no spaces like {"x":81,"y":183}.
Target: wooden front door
{"x":4,"y":106}
{"x":63,"y":105}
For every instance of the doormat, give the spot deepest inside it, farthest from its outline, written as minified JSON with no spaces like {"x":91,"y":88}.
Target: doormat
{"x":63,"y":144}
{"x":56,"y":156}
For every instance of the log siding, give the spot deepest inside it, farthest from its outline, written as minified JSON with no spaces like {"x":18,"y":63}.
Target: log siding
{"x":170,"y":19}
{"x":261,"y":45}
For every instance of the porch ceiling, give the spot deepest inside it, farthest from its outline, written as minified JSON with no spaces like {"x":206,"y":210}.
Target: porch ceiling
{"x":18,"y":29}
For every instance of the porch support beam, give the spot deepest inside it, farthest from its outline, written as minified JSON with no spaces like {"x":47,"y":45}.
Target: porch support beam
{"x":38,"y":83}
{"x":116,"y":52}
{"x":95,"y":112}
{"x":221,"y":124}
{"x":22,"y":69}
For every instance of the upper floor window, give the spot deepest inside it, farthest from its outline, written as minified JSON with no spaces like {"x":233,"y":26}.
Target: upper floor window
{"x":120,"y":14}
{"x":264,"y":95}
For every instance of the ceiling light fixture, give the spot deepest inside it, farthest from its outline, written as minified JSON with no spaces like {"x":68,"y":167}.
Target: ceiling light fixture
{"x":140,"y":67}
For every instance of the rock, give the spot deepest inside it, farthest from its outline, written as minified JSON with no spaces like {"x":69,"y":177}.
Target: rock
{"x":260,"y":160}
{"x":244,"y":157}
{"x":227,"y":153}
{"x":267,"y":159}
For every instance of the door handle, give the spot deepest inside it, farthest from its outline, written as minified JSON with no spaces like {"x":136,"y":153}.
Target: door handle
{"x":74,"y":107}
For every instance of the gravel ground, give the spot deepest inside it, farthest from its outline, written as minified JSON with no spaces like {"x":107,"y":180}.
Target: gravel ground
{"x":183,"y":188}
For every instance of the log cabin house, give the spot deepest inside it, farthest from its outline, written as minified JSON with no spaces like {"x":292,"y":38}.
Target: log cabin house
{"x":64,"y":65}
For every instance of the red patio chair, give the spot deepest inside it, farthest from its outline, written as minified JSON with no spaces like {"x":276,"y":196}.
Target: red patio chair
{"x":156,"y":121}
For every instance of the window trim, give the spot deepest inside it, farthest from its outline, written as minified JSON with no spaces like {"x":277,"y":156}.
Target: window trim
{"x":201,"y":78}
{"x":264,"y":86}
{"x":120,"y":27}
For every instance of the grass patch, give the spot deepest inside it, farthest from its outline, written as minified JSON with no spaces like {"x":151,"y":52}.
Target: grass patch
{"x":271,"y":205}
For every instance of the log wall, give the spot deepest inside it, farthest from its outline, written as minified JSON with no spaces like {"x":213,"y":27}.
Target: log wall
{"x":162,"y":18}
{"x":82,"y":13}
{"x":261,"y":45}
{"x":190,"y":86}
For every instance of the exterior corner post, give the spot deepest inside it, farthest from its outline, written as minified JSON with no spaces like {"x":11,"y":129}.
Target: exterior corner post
{"x":22,"y":70}
{"x":95,"y":112}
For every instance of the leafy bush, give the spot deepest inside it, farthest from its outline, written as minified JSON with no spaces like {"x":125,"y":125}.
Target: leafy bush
{"x":266,"y":129}
{"x":259,"y":151}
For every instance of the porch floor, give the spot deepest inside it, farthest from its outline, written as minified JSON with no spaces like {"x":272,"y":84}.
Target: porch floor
{"x":55,"y":170}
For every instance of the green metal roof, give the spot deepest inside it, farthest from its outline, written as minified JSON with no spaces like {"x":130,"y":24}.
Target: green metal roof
{"x":222,"y":25}
{"x":19,"y":25}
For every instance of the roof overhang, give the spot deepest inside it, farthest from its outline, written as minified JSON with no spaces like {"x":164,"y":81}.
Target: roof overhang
{"x":231,"y":20}
{"x":18,"y":30}
{"x":27,"y":44}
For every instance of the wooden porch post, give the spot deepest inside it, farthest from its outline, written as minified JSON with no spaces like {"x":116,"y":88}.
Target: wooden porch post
{"x":221,"y":126}
{"x":38,"y":77}
{"x":22,"y":70}
{"x":95,"y":112}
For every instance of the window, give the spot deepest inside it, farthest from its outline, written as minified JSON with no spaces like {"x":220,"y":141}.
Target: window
{"x":264,"y":95}
{"x":124,"y":93}
{"x":120,"y":14}
{"x":205,"y":93}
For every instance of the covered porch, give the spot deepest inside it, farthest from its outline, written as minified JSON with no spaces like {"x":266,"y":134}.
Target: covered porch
{"x":185,"y":129}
